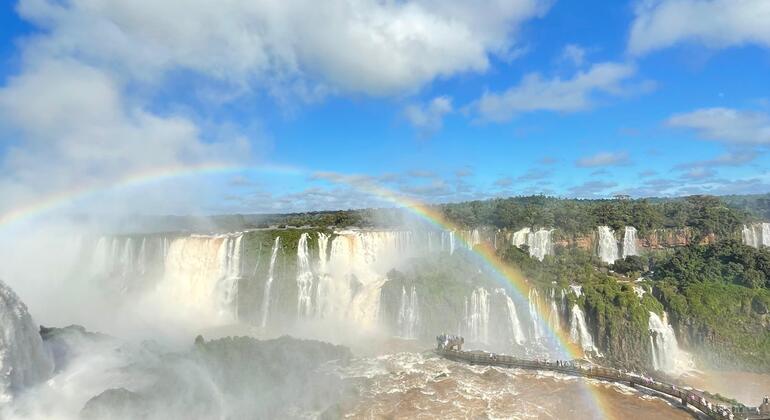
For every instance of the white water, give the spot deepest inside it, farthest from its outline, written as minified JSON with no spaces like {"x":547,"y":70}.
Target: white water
{"x":540,"y":244}
{"x":517,"y":332}
{"x":358,"y":263}
{"x":227,"y":287}
{"x":269,"y":282}
{"x":666,"y":354}
{"x":608,"y":245}
{"x":408,"y":315}
{"x":477,"y":316}
{"x":201,"y":275}
{"x":534,"y":302}
{"x":23,"y":359}
{"x":554,"y":320}
{"x":756,"y":235}
{"x":629,"y":242}
{"x":520,"y":237}
{"x":578,"y":331}
{"x":304,"y":278}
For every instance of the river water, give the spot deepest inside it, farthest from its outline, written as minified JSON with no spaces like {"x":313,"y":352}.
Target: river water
{"x":423,"y":385}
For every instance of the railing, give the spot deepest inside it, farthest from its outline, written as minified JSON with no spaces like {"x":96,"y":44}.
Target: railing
{"x":686,"y":396}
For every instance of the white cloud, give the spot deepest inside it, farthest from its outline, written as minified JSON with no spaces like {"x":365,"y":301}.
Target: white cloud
{"x":726,"y":125}
{"x":430,"y":117}
{"x":603,"y":159}
{"x":370,"y":46}
{"x":713,"y":23}
{"x":574,"y":54}
{"x":535,"y":93}
{"x":73,"y":128}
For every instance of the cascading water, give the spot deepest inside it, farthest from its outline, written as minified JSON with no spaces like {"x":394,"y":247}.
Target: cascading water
{"x":756,"y":235}
{"x":608,"y":245}
{"x":269,"y":282}
{"x":540,"y":244}
{"x":477,"y":316}
{"x":304,"y":278}
{"x":227,"y":287}
{"x":629,"y":242}
{"x":24,"y":360}
{"x":517,"y":333}
{"x":666,"y":354}
{"x":520,"y":237}
{"x":578,"y":331}
{"x":554,"y":320}
{"x":534,"y":302}
{"x":408,"y":315}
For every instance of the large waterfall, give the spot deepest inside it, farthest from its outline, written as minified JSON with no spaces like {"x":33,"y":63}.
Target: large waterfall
{"x":666,"y":354}
{"x":517,"y":333}
{"x":534,"y":303}
{"x":538,"y":242}
{"x":477,"y":316}
{"x":408,"y":315}
{"x":304,"y":278}
{"x":578,"y":331}
{"x":23,"y":359}
{"x":269,"y":281}
{"x":629,"y":242}
{"x":608,"y":245}
{"x":201,"y":273}
{"x":756,"y":235}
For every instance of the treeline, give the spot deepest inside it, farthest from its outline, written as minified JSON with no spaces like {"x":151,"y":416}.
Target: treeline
{"x":705,"y":214}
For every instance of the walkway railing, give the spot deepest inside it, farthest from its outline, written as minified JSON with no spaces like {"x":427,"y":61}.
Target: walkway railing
{"x":691,"y":397}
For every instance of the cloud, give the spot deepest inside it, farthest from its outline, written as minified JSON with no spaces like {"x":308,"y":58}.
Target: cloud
{"x":647,"y":173}
{"x":369,"y":46}
{"x":714,"y":23}
{"x":430,"y":117}
{"x":574,"y":54}
{"x":591,"y":188}
{"x":725,"y":125}
{"x":535,"y":93}
{"x":699,"y":173}
{"x":464,"y":172}
{"x":735,"y":158}
{"x":603,"y":159}
{"x":548,"y":160}
{"x":418,"y":173}
{"x":535,"y":174}
{"x":73,"y":127}
{"x":504,"y":182}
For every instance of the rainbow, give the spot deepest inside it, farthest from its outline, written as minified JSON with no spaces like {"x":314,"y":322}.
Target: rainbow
{"x":509,"y":277}
{"x":62,"y":198}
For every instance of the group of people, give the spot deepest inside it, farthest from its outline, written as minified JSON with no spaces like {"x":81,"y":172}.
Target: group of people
{"x":450,"y":342}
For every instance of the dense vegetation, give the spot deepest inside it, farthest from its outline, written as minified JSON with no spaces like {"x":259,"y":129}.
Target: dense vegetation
{"x":719,"y":296}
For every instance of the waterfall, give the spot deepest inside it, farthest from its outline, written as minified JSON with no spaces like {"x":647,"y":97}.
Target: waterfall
{"x":554,"y":320}
{"x":629,"y":242}
{"x":520,"y":237}
{"x":451,"y":242}
{"x":576,"y":289}
{"x":100,"y":258}
{"x":227,"y":286}
{"x":408,"y":315}
{"x":666,"y":354}
{"x":24,"y":360}
{"x":608,"y":245}
{"x":756,"y":235}
{"x":349,"y":284}
{"x":578,"y":331}
{"x":540,"y":244}
{"x":475,"y":238}
{"x":537,"y":328}
{"x":477,"y":316}
{"x":269,"y":281}
{"x":517,"y":333}
{"x":141,"y":260}
{"x":304,"y":278}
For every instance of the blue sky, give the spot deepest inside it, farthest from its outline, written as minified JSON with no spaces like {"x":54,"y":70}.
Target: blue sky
{"x":438,"y":100}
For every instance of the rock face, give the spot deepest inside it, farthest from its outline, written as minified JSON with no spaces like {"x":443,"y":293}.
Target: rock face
{"x":23,"y":359}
